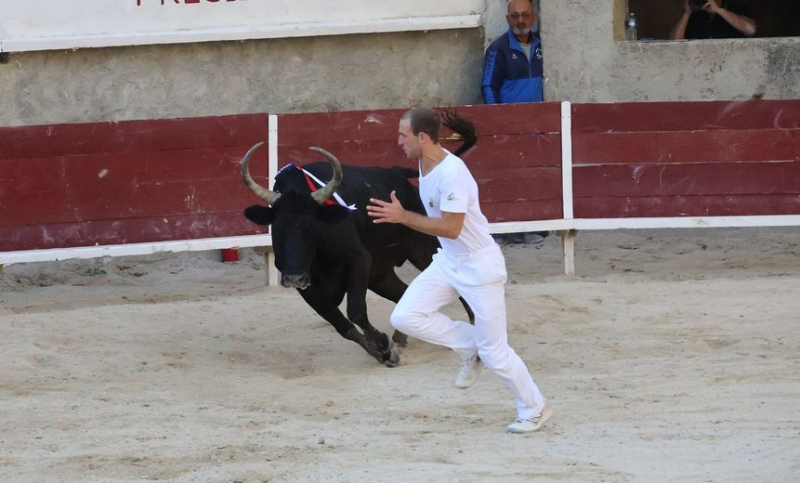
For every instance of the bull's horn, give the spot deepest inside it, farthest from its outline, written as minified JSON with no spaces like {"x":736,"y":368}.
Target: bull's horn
{"x":322,"y":194}
{"x":265,"y":194}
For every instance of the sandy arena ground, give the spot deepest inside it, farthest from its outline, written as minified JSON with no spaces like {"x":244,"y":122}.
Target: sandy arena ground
{"x":673,"y":356}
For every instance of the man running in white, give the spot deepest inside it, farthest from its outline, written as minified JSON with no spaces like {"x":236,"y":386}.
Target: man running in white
{"x":469,"y":264}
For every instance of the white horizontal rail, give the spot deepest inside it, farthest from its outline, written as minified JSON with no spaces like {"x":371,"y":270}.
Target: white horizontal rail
{"x":523,"y":226}
{"x":645,"y":223}
{"x":203,"y":244}
{"x":132,"y":249}
{"x":242,"y":33}
{"x":686,"y":222}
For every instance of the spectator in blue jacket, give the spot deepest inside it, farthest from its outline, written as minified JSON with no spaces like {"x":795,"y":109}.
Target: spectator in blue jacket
{"x":513,"y":72}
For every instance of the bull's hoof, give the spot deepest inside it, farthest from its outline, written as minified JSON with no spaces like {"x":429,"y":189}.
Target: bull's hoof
{"x":400,"y":339}
{"x":393,"y":360}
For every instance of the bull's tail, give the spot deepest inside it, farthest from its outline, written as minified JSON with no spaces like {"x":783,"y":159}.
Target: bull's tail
{"x":462,"y":127}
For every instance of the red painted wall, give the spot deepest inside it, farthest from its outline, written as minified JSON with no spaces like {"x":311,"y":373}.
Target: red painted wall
{"x":138,"y":181}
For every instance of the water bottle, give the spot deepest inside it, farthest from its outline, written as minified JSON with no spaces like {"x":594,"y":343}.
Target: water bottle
{"x":631,"y":28}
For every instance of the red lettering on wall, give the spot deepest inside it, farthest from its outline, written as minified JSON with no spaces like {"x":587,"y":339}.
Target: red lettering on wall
{"x":185,"y":2}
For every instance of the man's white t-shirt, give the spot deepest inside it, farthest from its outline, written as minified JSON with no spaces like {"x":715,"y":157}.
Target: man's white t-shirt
{"x":450,"y":187}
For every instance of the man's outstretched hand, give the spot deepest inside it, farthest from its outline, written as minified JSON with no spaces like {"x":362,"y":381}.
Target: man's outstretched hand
{"x":386,"y":211}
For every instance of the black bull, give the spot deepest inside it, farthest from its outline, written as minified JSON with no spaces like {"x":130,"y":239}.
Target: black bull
{"x":326,"y":250}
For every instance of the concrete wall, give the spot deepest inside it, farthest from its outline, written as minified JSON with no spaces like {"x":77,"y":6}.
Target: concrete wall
{"x":584,"y":62}
{"x":280,"y":75}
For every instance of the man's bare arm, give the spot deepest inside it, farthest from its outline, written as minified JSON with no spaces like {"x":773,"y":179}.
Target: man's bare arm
{"x":745,"y":25}
{"x":448,"y":226}
{"x":678,"y":32}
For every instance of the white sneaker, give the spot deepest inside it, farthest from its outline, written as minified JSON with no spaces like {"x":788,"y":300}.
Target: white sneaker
{"x":521,"y":425}
{"x":470,"y":370}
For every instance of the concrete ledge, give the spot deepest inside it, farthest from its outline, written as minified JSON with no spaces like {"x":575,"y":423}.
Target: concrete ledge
{"x":244,"y":33}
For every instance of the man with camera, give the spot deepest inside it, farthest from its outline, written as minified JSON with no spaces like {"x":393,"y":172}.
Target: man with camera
{"x":714,"y":19}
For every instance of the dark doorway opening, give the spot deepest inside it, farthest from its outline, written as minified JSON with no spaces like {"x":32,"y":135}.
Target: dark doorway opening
{"x":775,"y":18}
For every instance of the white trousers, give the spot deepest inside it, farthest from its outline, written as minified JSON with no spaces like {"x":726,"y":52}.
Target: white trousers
{"x":480,"y":279}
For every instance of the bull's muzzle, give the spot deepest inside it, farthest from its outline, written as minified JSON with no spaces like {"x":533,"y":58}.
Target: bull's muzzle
{"x":296,"y":280}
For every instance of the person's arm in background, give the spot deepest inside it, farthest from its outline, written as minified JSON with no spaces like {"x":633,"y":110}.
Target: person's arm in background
{"x":678,"y":32}
{"x":743,"y":24}
{"x":492,"y":78}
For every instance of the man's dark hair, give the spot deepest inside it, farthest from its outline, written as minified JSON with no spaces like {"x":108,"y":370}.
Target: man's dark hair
{"x":423,"y":119}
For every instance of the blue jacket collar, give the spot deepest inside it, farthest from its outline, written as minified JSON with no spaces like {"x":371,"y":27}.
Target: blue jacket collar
{"x":514,"y":43}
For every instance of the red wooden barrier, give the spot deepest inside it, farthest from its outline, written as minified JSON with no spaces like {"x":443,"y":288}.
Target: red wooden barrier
{"x":163,"y":180}
{"x":114,"y":183}
{"x":668,"y":159}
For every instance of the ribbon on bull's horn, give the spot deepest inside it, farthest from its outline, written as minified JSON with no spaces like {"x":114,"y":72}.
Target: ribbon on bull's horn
{"x":314,"y":187}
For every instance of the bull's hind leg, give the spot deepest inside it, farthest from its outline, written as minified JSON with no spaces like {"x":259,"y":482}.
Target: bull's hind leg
{"x":345,"y":328}
{"x":470,"y":313}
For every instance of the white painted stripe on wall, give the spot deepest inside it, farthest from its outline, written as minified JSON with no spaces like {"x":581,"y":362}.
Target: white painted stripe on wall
{"x":25,"y":44}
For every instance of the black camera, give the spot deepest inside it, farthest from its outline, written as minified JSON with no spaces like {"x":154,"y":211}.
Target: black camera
{"x":696,"y":5}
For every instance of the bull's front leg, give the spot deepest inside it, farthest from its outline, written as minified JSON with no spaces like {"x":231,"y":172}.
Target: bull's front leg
{"x":358,"y":278}
{"x":378,"y":343}
{"x":329,"y":310}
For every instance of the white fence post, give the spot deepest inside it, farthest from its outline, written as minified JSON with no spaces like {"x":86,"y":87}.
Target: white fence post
{"x":568,"y":236}
{"x":272,"y":272}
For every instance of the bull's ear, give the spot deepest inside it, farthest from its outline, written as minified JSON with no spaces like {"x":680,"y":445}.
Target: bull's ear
{"x":333,"y":213}
{"x":260,"y":215}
